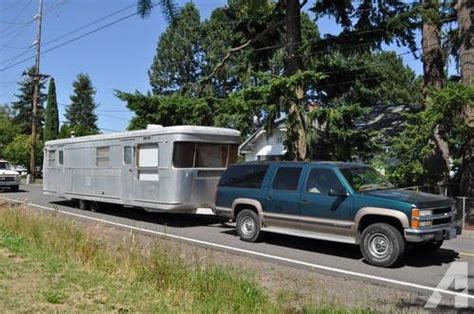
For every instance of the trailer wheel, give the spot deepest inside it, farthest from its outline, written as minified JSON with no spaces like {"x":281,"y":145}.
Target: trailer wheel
{"x":14,"y":188}
{"x":94,"y":206}
{"x":83,"y":204}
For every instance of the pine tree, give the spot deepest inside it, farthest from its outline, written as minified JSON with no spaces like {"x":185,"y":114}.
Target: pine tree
{"x":22,"y":108}
{"x":51,"y":125}
{"x":177,"y":62}
{"x":81,"y":110}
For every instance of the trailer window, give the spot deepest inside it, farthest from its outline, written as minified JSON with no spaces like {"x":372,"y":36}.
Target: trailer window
{"x":183,"y":155}
{"x":211,"y":155}
{"x":102,"y":156}
{"x":61,"y":158}
{"x":203,"y":155}
{"x":127,"y":155}
{"x":51,"y":158}
{"x":148,"y":155}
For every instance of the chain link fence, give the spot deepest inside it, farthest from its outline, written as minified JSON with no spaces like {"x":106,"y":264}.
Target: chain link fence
{"x":465,"y":206}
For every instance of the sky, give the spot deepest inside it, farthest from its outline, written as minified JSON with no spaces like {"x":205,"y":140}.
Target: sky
{"x":116,"y":57}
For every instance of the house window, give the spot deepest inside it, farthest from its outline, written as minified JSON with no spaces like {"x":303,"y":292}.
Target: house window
{"x":102,"y":156}
{"x":51,"y":158}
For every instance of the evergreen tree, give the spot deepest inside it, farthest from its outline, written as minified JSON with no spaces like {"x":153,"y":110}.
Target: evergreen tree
{"x":22,"y":108}
{"x":51,"y":125}
{"x":178,"y":58}
{"x":81,"y":110}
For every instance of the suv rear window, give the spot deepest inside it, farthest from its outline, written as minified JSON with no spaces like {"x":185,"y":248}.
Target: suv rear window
{"x":244,"y":176}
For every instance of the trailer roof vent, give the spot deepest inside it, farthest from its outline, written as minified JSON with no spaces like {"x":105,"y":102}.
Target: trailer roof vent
{"x":154,"y":126}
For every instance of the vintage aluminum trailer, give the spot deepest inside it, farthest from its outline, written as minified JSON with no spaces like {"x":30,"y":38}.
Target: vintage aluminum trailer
{"x":160,"y":169}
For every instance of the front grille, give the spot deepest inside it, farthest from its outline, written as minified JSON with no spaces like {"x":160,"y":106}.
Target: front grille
{"x":443,"y":210}
{"x":7,"y":179}
{"x":441,"y":221}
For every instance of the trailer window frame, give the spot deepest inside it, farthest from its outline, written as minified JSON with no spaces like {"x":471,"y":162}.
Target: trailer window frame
{"x":51,"y":158}
{"x":61,"y":157}
{"x":102,"y":156}
{"x":182,"y":160}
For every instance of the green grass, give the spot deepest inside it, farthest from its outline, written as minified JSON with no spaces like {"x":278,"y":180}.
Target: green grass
{"x":48,"y":264}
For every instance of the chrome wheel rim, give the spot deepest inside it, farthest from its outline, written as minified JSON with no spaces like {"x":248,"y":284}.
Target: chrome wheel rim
{"x":379,"y":245}
{"x":247,"y":226}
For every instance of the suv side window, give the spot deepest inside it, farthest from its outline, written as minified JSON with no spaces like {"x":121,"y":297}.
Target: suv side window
{"x":287,"y":178}
{"x":244,"y":176}
{"x":321,"y":180}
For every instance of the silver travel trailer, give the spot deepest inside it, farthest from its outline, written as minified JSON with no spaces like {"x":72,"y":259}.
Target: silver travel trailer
{"x":159,"y":169}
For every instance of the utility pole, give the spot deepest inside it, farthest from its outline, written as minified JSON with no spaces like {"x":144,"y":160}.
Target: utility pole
{"x":36,"y":85}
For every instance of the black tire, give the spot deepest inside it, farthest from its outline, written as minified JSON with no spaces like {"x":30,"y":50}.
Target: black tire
{"x":248,"y":226}
{"x":14,"y":188}
{"x":430,"y":247}
{"x":382,"y":245}
{"x":83,"y":204}
{"x":95,"y":206}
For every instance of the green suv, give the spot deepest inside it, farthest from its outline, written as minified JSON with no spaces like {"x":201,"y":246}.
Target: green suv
{"x":335,"y":201}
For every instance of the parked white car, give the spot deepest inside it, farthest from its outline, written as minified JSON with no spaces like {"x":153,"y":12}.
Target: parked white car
{"x":9,"y":177}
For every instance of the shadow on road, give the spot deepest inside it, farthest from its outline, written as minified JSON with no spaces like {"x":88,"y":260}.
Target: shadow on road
{"x":165,"y":219}
{"x":350,"y":251}
{"x":8,"y":191}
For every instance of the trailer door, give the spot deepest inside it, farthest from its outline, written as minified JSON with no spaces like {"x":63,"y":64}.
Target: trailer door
{"x":147,"y":177}
{"x":128,"y":173}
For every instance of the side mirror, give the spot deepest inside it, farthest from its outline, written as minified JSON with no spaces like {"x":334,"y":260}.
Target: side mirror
{"x":338,"y":192}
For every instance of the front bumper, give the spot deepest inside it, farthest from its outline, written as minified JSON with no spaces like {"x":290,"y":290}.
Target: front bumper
{"x":437,"y":233}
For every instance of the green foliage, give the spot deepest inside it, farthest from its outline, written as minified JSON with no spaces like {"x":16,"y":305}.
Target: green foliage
{"x":8,"y":130}
{"x":18,"y":151}
{"x":80,"y":113}
{"x":67,"y":131}
{"x":174,"y":109}
{"x":22,"y":107}
{"x":415,"y":146}
{"x":336,"y":136}
{"x":368,"y":79}
{"x":51,"y":124}
{"x":178,"y":59}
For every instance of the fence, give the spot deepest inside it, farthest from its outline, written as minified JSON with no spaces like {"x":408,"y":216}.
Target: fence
{"x":465,"y":206}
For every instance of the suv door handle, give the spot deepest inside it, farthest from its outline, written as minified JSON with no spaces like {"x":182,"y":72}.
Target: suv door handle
{"x":303,"y":202}
{"x":269,"y":198}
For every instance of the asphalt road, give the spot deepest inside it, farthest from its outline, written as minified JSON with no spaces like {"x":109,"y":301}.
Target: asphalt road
{"x":417,"y":272}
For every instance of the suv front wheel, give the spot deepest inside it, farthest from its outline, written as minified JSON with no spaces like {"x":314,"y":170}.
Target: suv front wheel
{"x":248,"y":225}
{"x":382,"y":245}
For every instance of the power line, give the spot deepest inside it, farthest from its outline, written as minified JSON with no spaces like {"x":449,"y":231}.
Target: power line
{"x":73,"y":39}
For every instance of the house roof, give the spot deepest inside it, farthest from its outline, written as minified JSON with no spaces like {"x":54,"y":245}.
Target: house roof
{"x":252,"y":138}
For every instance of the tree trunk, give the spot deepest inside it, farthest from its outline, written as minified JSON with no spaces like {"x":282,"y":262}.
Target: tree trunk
{"x":465,"y":11}
{"x":433,"y":72}
{"x":293,"y":64}
{"x":433,"y":63}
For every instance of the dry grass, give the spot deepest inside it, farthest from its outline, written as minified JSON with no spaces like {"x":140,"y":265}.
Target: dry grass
{"x":73,"y":271}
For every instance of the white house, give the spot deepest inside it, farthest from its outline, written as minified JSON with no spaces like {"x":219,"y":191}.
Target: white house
{"x":264,"y":146}
{"x":261,"y":145}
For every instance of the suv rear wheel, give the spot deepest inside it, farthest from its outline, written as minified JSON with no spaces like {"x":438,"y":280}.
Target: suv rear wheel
{"x":382,"y":245}
{"x":248,"y":225}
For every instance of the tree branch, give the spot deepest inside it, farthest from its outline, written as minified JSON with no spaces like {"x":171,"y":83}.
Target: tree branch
{"x":233,"y":50}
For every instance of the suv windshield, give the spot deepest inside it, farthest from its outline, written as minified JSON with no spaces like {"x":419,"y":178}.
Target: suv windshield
{"x":4,"y":165}
{"x":365,"y":179}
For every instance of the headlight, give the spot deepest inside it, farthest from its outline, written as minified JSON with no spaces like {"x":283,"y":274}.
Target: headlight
{"x":427,"y":212}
